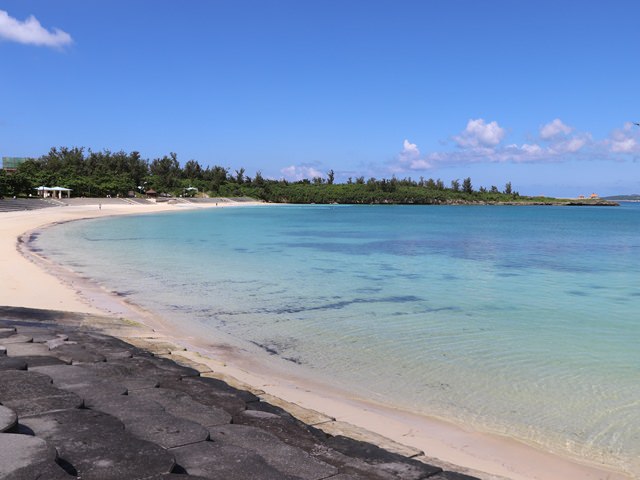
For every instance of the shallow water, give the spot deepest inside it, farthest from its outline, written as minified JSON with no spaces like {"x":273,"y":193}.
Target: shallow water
{"x":517,"y":320}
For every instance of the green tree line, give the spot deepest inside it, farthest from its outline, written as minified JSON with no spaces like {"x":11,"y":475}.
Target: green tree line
{"x":97,"y":174}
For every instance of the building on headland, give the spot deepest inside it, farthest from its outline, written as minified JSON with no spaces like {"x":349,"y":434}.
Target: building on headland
{"x":594,"y":195}
{"x":10,"y":164}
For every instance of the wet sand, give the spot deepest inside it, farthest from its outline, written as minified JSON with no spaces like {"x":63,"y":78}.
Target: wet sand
{"x":29,"y":280}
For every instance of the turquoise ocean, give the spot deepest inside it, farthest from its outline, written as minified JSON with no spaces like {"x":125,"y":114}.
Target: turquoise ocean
{"x":522,"y":321}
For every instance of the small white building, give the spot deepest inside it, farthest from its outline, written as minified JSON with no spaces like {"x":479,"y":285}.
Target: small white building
{"x":54,"y":192}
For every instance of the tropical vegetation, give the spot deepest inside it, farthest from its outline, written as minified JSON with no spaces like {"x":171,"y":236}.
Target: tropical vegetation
{"x":98,"y":174}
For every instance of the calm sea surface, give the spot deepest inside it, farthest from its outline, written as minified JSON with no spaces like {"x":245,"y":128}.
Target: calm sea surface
{"x":523,"y":321}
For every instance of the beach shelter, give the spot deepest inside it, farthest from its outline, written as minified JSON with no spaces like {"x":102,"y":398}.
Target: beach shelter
{"x":53,"y":191}
{"x":60,"y":190}
{"x":43,"y":191}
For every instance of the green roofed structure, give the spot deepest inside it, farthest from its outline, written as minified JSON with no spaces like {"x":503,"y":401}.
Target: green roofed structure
{"x":11,"y":163}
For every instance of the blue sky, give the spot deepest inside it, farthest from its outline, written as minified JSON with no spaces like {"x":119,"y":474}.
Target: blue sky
{"x":539,"y":93}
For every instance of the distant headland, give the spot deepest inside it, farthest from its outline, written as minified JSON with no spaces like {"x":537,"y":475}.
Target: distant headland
{"x":624,"y":198}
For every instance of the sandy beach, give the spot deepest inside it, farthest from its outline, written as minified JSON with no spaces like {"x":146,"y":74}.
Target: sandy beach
{"x":29,"y":280}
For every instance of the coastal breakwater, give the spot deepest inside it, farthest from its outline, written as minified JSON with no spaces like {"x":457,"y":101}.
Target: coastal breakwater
{"x":76,"y":403}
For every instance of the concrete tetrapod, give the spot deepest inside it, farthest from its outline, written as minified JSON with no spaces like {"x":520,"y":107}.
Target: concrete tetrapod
{"x":32,"y":361}
{"x":121,"y":374}
{"x":122,"y":435}
{"x":6,"y":332}
{"x":8,"y":419}
{"x":81,"y":381}
{"x":182,"y":405}
{"x":285,"y":458}
{"x":226,"y":462}
{"x":148,"y":420}
{"x":95,"y":446}
{"x":23,"y":457}
{"x":31,"y":393}
{"x":12,"y":363}
{"x":228,"y":399}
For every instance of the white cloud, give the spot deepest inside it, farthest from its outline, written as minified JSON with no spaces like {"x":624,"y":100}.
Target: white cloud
{"x":479,"y":143}
{"x":554,"y":129}
{"x":626,"y":145}
{"x":31,"y":32}
{"x":525,"y":153}
{"x":480,"y":134}
{"x":420,"y":164}
{"x":300,"y":172}
{"x":571,"y":145}
{"x":557,"y":135}
{"x":624,"y":140}
{"x":409,"y":150}
{"x":409,"y":159}
{"x":532,"y":149}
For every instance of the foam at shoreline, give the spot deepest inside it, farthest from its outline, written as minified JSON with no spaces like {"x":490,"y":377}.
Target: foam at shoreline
{"x":494,"y":454}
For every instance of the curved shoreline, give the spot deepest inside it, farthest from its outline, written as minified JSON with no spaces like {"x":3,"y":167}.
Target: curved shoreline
{"x":482,"y":452}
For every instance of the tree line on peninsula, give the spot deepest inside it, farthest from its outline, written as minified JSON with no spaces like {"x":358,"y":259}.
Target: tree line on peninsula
{"x":98,"y":174}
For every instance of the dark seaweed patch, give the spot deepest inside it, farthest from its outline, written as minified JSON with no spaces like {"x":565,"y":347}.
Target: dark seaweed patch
{"x":577,"y":293}
{"x":508,"y":274}
{"x":449,"y":277}
{"x":266,"y":348}
{"x":346,"y":303}
{"x":369,"y":290}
